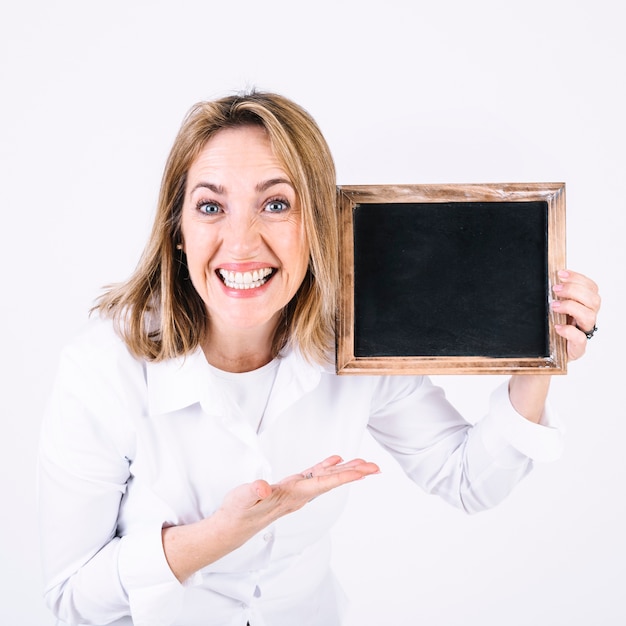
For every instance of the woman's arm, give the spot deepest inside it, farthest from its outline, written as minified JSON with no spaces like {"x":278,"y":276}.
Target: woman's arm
{"x":578,"y":298}
{"x":88,"y":439}
{"x":250,"y":508}
{"x":476,"y":466}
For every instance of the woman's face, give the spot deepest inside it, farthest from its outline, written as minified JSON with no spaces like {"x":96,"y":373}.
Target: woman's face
{"x":242,"y":231}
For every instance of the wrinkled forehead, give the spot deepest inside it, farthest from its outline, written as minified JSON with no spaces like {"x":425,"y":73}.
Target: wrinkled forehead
{"x":239,"y":153}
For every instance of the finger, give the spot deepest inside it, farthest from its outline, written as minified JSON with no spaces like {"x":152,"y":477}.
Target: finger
{"x":331,"y":461}
{"x":578,"y":297}
{"x":357,"y":464}
{"x":347,"y":472}
{"x":335,"y":464}
{"x":576,"y":340}
{"x":318,"y":485}
{"x":322,"y":466}
{"x":583,"y":293}
{"x":295,"y":492}
{"x":244,"y":497}
{"x":576,"y":291}
{"x":262,"y":489}
{"x":571,"y":277}
{"x":583,"y":317}
{"x":580,"y":294}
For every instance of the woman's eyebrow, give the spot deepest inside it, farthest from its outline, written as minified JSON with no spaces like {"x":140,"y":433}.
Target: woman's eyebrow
{"x":214,"y":188}
{"x":260,"y":187}
{"x":264,"y":186}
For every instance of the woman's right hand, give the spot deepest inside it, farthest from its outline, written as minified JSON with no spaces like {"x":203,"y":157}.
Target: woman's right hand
{"x":249,"y":508}
{"x":258,"y":504}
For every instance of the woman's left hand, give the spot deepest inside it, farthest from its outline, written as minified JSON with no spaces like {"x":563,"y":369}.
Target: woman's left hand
{"x":578,"y":298}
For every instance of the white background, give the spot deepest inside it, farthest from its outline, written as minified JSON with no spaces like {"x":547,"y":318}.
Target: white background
{"x":92,"y":94}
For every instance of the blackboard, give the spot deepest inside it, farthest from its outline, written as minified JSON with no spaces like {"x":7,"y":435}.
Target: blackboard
{"x":450,"y":279}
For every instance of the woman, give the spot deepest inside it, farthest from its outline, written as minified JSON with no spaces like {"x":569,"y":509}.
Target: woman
{"x":208,"y":379}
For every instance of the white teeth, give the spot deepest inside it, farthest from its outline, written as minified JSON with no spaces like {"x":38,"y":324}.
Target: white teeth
{"x":245,"y":280}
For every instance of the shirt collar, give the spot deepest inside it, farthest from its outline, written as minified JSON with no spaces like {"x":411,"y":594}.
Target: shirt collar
{"x":175,"y":384}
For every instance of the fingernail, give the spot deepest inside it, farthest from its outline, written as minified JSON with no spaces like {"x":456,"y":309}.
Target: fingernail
{"x":563,"y":273}
{"x":557,"y":288}
{"x":555,"y":304}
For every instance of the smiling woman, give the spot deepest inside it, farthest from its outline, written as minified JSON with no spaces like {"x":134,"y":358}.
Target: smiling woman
{"x":245,"y":244}
{"x":194,"y":445}
{"x":299,"y":177}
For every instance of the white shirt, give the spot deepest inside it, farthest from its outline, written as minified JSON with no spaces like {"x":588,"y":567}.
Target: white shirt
{"x":129,"y":446}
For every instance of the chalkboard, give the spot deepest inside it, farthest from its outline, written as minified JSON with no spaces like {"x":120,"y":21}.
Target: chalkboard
{"x":450,"y":279}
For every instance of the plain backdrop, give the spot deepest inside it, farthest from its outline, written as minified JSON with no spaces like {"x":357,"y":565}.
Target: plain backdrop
{"x":92,"y":94}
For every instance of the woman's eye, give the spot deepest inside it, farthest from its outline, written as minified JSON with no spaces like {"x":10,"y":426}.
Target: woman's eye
{"x":208,"y":208}
{"x":276,"y":206}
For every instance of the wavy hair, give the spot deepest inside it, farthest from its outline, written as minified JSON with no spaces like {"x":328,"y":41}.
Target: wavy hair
{"x":158,"y":312}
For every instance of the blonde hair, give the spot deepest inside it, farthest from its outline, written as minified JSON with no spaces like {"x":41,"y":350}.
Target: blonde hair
{"x":158,"y":312}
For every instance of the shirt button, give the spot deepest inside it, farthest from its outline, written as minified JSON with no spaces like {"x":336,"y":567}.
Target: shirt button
{"x":268,"y":537}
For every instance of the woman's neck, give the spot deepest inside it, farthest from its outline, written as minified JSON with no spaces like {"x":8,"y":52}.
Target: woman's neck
{"x":242,"y":350}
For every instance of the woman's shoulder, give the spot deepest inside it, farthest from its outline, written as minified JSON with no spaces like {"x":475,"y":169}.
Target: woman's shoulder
{"x":98,"y":348}
{"x":98,"y":335}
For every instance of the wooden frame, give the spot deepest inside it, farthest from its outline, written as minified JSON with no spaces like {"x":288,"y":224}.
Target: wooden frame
{"x":547,"y":199}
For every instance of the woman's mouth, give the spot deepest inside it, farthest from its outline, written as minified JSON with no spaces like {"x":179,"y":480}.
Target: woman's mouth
{"x":245,"y":280}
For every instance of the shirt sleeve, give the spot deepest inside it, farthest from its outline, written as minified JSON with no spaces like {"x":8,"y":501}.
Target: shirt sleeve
{"x":91,"y":574}
{"x":473,"y":467}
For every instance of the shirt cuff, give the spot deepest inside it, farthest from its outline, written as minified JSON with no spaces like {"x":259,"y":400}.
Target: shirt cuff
{"x":155,"y":595}
{"x":512,"y":439}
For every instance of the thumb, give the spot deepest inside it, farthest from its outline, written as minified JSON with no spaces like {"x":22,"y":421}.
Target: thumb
{"x":261,"y":488}
{"x":247,"y":495}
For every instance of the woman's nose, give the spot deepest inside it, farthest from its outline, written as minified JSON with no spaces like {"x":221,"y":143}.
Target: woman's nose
{"x":243,"y":237}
